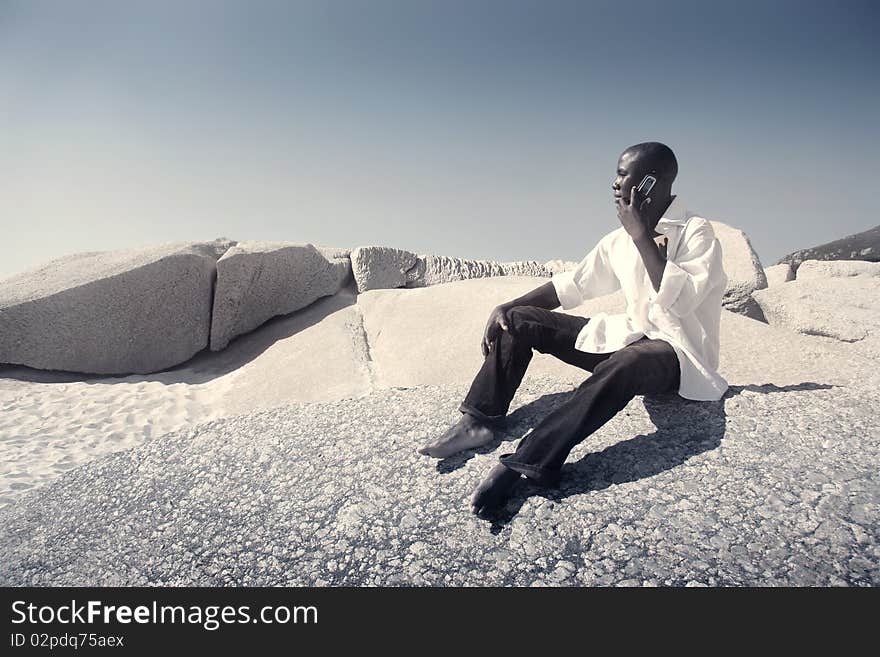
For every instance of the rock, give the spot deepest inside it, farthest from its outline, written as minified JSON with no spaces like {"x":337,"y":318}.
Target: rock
{"x":214,"y":249}
{"x":745,"y":306}
{"x":434,"y":270}
{"x":432,"y":334}
{"x":743,"y":268}
{"x":524,"y":268}
{"x":323,"y":344}
{"x":841,"y":308}
{"x":341,"y":261}
{"x":823,"y":269}
{"x":132,"y":311}
{"x":381,"y":267}
{"x":348,"y":344}
{"x":334,"y":253}
{"x":377,"y":267}
{"x":779,"y":274}
{"x":260,"y":280}
{"x":860,"y":246}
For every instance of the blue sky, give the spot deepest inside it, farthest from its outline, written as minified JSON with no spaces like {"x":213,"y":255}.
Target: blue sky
{"x":475,"y":129}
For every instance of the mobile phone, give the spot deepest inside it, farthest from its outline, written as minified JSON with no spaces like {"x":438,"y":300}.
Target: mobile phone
{"x":647,"y":184}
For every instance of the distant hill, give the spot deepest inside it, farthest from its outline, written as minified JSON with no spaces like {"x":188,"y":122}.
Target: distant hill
{"x":861,"y":246}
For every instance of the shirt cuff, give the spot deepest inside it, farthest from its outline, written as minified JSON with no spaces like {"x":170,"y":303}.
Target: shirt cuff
{"x":671,"y":284}
{"x":567,"y":291}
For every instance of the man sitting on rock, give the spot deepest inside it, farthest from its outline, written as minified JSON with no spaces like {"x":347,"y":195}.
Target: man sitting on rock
{"x":668,"y":263}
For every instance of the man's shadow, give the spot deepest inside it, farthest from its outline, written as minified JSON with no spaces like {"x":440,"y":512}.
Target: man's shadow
{"x":685,"y":428}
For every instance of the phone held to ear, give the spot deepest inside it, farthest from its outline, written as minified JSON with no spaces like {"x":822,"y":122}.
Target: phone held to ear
{"x":645,"y":188}
{"x":647,"y":185}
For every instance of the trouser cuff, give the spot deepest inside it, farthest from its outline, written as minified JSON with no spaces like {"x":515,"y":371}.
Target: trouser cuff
{"x":535,"y":473}
{"x":492,"y":420}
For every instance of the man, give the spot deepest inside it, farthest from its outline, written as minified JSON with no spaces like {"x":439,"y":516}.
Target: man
{"x":668,"y":263}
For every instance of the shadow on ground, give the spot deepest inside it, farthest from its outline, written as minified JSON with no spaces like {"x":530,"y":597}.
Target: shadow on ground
{"x":685,"y":428}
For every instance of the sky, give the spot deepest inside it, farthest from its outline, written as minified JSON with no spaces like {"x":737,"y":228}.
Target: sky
{"x":479,"y":129}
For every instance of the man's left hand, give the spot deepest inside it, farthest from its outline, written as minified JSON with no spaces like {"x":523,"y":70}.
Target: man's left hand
{"x":632,"y":215}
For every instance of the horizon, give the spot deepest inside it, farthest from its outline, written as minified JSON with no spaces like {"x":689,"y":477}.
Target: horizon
{"x":485,"y":131}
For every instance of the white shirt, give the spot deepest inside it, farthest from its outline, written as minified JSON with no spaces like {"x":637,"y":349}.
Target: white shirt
{"x":685,"y":311}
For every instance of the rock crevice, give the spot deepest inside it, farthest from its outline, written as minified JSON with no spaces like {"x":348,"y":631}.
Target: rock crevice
{"x":362,"y":349}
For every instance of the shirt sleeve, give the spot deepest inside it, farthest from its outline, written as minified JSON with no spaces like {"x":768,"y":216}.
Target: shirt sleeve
{"x":593,"y":277}
{"x":686,"y":282}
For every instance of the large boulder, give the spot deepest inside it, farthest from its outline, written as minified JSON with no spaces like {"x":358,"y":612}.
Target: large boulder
{"x":132,"y":311}
{"x":381,"y":267}
{"x":778,"y":274}
{"x":260,"y":280}
{"x":432,"y":334}
{"x":860,"y":246}
{"x":743,"y":268}
{"x":811,"y":270}
{"x":841,"y":308}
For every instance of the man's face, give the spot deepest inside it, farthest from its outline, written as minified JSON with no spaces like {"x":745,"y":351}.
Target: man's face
{"x":629,"y":173}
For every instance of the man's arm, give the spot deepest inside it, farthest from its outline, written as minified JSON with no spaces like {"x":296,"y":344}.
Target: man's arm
{"x":634,"y":218}
{"x":653,"y":257}
{"x":542,"y":297}
{"x":592,"y":277}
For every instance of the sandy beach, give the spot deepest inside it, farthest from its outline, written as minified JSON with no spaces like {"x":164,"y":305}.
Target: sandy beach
{"x":51,"y":426}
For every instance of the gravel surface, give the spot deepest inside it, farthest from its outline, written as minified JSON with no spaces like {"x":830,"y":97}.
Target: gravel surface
{"x":769,"y":486}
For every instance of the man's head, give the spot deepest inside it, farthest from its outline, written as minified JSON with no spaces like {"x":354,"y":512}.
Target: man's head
{"x":638,"y":161}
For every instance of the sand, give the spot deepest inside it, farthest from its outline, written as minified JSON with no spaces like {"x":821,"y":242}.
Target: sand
{"x":48,"y":427}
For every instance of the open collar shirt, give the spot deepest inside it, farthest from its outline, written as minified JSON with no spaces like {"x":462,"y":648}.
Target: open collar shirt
{"x":685,"y":311}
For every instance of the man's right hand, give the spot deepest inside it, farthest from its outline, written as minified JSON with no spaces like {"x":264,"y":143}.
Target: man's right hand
{"x":497,"y":323}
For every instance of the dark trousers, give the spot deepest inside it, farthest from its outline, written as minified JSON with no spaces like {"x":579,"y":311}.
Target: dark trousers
{"x":640,"y":368}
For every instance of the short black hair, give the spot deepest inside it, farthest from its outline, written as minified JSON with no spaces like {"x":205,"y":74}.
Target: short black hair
{"x":657,"y":157}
